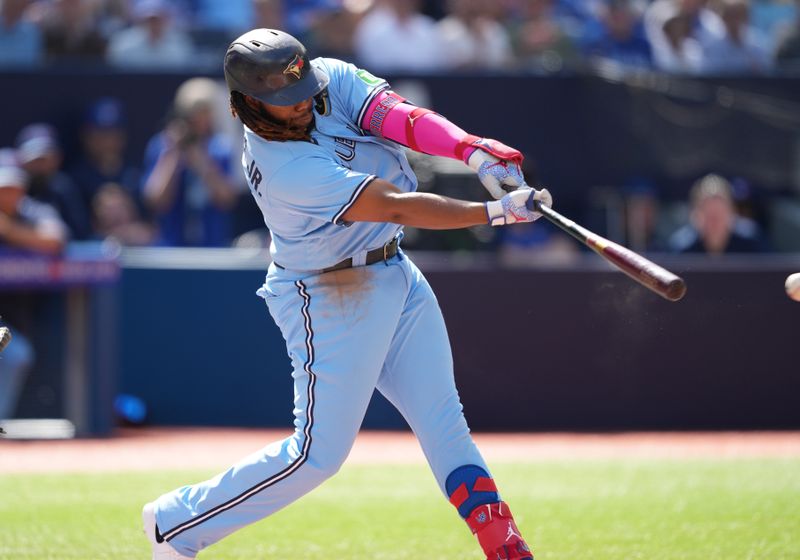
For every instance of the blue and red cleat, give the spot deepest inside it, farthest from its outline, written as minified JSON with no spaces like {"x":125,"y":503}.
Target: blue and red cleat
{"x":497,"y":533}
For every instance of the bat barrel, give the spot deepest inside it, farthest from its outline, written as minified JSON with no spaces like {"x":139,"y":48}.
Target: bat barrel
{"x":644,"y":271}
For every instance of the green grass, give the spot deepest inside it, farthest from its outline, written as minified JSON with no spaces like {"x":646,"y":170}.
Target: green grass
{"x":654,"y":510}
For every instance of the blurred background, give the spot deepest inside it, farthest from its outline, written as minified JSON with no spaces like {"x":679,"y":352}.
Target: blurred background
{"x":131,"y":250}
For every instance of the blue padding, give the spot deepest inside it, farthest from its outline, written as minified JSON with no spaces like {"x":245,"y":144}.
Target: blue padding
{"x":468,"y":474}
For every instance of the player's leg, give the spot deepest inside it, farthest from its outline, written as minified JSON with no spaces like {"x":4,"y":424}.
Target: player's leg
{"x":418,"y":379}
{"x":14,"y":364}
{"x":338,"y":328}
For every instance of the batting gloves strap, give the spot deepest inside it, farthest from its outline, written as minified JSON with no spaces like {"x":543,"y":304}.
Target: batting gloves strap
{"x":517,"y":206}
{"x":497,"y":165}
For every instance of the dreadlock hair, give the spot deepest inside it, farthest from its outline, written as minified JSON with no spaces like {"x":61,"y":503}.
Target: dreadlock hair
{"x":259,"y":121}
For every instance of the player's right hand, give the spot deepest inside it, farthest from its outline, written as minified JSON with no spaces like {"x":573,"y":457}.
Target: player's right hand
{"x":517,"y":206}
{"x":497,"y":166}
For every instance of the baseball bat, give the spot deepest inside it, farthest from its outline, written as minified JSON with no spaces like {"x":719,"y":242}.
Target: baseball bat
{"x":647,"y":273}
{"x":5,"y":337}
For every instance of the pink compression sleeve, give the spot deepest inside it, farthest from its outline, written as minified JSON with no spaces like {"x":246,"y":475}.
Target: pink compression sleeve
{"x":420,"y":129}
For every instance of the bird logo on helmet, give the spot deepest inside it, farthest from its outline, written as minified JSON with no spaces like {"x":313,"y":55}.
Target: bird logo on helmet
{"x":295,"y":67}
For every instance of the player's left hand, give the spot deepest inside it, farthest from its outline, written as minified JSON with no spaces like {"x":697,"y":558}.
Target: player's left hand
{"x":497,"y":166}
{"x":518,"y":206}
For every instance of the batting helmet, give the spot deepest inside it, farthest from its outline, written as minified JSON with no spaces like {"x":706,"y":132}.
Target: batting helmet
{"x":273,"y":67}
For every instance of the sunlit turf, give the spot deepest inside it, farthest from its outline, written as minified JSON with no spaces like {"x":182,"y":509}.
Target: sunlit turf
{"x":583,"y":510}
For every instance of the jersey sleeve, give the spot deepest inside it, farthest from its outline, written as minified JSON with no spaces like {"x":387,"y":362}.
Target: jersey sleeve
{"x":352,"y":88}
{"x":317,"y":187}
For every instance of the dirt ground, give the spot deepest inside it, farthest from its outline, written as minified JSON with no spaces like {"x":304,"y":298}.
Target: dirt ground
{"x":193,"y":448}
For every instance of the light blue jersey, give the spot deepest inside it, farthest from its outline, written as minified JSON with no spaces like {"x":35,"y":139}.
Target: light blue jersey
{"x":304,"y":188}
{"x":348,"y":332}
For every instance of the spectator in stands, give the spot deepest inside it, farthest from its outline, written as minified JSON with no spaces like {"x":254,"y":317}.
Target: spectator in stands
{"x":704,"y":24}
{"x":787,"y":57}
{"x":773,"y":18}
{"x":233,"y":16}
{"x":302,"y":16}
{"x":741,"y":50}
{"x":472,"y":39}
{"x":641,"y":215}
{"x":71,"y":31}
{"x":715,"y":227}
{"x":102,"y":168}
{"x":670,"y":32}
{"x":332,"y":33}
{"x":579,"y":19}
{"x":188,"y":167}
{"x":112,"y":16}
{"x":103,"y":139}
{"x":153,"y":42}
{"x":621,"y":37}
{"x":540,"y":42}
{"x":396,"y":37}
{"x":26,"y":223}
{"x":20,"y":40}
{"x":115,"y":216}
{"x":30,"y":226}
{"x":269,"y":14}
{"x":39,"y":153}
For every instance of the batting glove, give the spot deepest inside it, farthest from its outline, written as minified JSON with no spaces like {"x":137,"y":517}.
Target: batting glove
{"x":497,"y":165}
{"x":517,"y":206}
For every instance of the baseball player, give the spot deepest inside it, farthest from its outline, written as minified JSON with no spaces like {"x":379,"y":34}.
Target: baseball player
{"x":324,"y":158}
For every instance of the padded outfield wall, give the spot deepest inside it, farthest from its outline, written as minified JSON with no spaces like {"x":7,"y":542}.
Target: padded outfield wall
{"x":578,"y":348}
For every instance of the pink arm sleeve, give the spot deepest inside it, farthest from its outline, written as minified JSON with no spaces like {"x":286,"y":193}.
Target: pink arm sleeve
{"x":420,"y":129}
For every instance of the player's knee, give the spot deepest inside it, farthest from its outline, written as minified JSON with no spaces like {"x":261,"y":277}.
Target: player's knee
{"x":470,"y":486}
{"x":325,"y":466}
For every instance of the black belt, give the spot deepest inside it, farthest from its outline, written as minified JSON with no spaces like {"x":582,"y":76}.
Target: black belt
{"x":376,"y":255}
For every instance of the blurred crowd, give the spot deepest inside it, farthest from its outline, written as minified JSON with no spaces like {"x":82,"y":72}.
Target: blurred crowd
{"x":188,"y":191}
{"x":537,"y":36}
{"x":187,"y":188}
{"x":182,"y":193}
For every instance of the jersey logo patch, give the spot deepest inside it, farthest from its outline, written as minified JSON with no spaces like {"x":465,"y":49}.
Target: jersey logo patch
{"x":295,"y":67}
{"x":322,"y":103}
{"x":368,"y":78}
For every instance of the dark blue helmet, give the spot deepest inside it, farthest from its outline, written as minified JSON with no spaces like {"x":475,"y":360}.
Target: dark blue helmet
{"x":273,"y":67}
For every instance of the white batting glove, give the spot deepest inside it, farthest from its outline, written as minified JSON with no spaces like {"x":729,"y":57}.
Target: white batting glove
{"x":495,"y":172}
{"x":517,"y":206}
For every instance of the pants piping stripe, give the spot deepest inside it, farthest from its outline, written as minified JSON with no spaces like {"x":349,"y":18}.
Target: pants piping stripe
{"x":312,"y":380}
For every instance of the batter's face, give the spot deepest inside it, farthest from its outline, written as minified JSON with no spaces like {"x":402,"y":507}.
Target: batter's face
{"x":299,"y":115}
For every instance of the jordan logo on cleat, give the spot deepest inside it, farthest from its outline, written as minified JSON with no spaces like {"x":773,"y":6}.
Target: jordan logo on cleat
{"x":511,"y":533}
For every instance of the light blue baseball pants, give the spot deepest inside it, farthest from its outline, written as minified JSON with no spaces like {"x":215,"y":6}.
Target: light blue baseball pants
{"x":347,"y":332}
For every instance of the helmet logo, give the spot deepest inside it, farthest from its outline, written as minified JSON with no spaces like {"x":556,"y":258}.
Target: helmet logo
{"x":295,"y":66}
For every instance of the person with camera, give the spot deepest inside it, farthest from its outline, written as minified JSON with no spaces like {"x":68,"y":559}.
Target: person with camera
{"x":187,"y":177}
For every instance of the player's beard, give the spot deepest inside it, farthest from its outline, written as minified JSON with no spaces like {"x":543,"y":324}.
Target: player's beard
{"x":267,"y":127}
{"x":303,"y":123}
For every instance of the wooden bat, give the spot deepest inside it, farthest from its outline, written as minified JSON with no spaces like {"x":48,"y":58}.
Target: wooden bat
{"x":649,"y":274}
